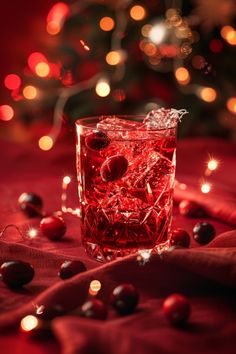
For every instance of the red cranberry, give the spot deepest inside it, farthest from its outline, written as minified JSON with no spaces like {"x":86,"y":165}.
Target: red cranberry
{"x":31,"y":204}
{"x":203,"y":233}
{"x":191,"y":209}
{"x":124,"y":299}
{"x":53,"y":227}
{"x":180,"y":238}
{"x":16,"y":273}
{"x":97,"y":141}
{"x":176,"y":309}
{"x":71,"y":268}
{"x":94,"y":309}
{"x":114,"y":168}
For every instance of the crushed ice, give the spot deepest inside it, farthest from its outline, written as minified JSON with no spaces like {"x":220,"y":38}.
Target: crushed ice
{"x":163,"y":118}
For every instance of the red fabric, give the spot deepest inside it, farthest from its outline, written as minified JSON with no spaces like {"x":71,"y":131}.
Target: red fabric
{"x":206,"y":274}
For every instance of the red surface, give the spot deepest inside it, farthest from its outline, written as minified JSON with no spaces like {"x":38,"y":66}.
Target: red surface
{"x":207,"y":275}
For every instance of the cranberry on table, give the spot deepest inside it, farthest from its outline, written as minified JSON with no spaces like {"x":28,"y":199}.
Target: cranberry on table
{"x":70,"y":268}
{"x":203,"y":233}
{"x":31,"y":204}
{"x":176,"y":309}
{"x":94,"y":309}
{"x":15,"y":274}
{"x":124,"y":299}
{"x":97,"y":141}
{"x":114,"y":168}
{"x":53,"y":227}
{"x":191,"y":209}
{"x":180,"y":238}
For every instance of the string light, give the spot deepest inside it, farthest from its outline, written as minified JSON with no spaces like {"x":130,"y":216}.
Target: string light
{"x":94,"y":287}
{"x":231,"y":104}
{"x":102,"y":88}
{"x":157,"y":33}
{"x":45,"y":143}
{"x":29,"y":92}
{"x":107,"y":24}
{"x":32,"y":233}
{"x":12,"y":82}
{"x":85,"y":46}
{"x":212,"y":164}
{"x":137,"y":12}
{"x":207,"y":94}
{"x":205,"y":187}
{"x":6,"y":112}
{"x":182,"y":76}
{"x":28,"y":323}
{"x":42,"y":69}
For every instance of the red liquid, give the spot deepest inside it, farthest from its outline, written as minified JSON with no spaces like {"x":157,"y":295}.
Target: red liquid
{"x":125,"y":187}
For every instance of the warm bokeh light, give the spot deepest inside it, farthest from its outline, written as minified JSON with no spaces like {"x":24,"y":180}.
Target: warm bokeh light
{"x":45,"y":143}
{"x":85,"y":46}
{"x":53,"y":27}
{"x":107,"y":23}
{"x":66,"y":180}
{"x":113,"y":57}
{"x":94,"y":287}
{"x":150,"y":49}
{"x":36,"y":58}
{"x":6,"y":112}
{"x":58,"y":13}
{"x":29,"y":92}
{"x":12,"y":82}
{"x":102,"y":88}
{"x":205,"y":188}
{"x":208,"y":94}
{"x":42,"y":69}
{"x":212,"y":165}
{"x":28,"y":323}
{"x":157,"y":33}
{"x":145,"y":30}
{"x":137,"y":12}
{"x":32,"y":233}
{"x":231,"y":104}
{"x":225,"y":31}
{"x":231,"y":38}
{"x":182,"y":76}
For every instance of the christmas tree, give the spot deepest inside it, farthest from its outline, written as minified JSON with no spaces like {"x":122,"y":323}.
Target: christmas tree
{"x":129,"y":57}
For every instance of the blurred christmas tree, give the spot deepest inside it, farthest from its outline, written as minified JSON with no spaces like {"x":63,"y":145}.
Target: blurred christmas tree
{"x":123,"y":56}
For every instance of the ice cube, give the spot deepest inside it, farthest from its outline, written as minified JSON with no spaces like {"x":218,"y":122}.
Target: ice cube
{"x":163,"y":118}
{"x":116,"y":123}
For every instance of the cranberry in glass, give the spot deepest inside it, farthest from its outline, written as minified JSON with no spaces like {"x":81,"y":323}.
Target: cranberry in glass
{"x":15,"y":274}
{"x":97,"y":141}
{"x":180,"y":238}
{"x":94,"y":309}
{"x":125,"y":299}
{"x":203,"y":233}
{"x":31,"y":204}
{"x":70,"y":268}
{"x":53,"y":227}
{"x":114,"y":168}
{"x":176,"y":309}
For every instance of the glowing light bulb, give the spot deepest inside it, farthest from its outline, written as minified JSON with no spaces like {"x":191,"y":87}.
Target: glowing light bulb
{"x":45,"y":143}
{"x":30,"y":92}
{"x":157,"y":33}
{"x":137,"y":12}
{"x":107,"y":24}
{"x":212,"y":165}
{"x":182,"y":76}
{"x":28,"y":323}
{"x":12,"y":82}
{"x":67,"y":180}
{"x":6,"y":112}
{"x":205,"y":188}
{"x":208,"y":94}
{"x":231,"y":104}
{"x":94,"y":287}
{"x":102,"y":88}
{"x":42,"y":69}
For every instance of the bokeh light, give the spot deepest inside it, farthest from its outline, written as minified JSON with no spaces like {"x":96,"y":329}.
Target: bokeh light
{"x":42,"y":69}
{"x":231,"y":104}
{"x":212,"y":165}
{"x":56,"y":17}
{"x":6,"y":112}
{"x":182,"y":76}
{"x":107,"y":24}
{"x":208,"y":94}
{"x":32,"y":233}
{"x":28,"y":323}
{"x":102,"y":88}
{"x":94,"y":287}
{"x":53,"y":28}
{"x":30,"y":92}
{"x":113,"y":57}
{"x":205,"y":188}
{"x":67,"y":180}
{"x":225,"y":30}
{"x":36,"y":58}
{"x":157,"y":33}
{"x":137,"y":12}
{"x":12,"y":82}
{"x":45,"y":143}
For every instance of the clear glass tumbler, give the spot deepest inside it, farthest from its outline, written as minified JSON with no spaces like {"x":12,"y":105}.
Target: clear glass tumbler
{"x":125,"y":181}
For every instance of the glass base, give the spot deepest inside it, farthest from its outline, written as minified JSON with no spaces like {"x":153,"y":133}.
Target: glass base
{"x":110,"y":254}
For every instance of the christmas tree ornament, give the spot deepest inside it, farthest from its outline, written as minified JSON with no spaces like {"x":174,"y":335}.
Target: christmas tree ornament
{"x":31,"y":204}
{"x":176,"y":309}
{"x":180,"y":238}
{"x":15,"y":274}
{"x":203,"y":233}
{"x":124,"y":299}
{"x":94,"y":309}
{"x":70,"y":268}
{"x":191,"y":209}
{"x":53,"y":227}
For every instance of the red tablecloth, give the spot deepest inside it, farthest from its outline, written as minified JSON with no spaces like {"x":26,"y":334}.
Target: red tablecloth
{"x":206,"y":274}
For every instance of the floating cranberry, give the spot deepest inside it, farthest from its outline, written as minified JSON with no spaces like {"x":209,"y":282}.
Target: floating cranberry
{"x":71,"y":268}
{"x":176,"y":309}
{"x":180,"y":238}
{"x":124,"y":299}
{"x":31,"y":204}
{"x":114,"y":168}
{"x":97,"y":141}
{"x":53,"y":227}
{"x":203,"y":233}
{"x":94,"y":309}
{"x":16,"y":273}
{"x":191,"y":209}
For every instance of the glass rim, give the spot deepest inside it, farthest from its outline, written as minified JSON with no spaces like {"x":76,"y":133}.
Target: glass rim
{"x":81,"y":122}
